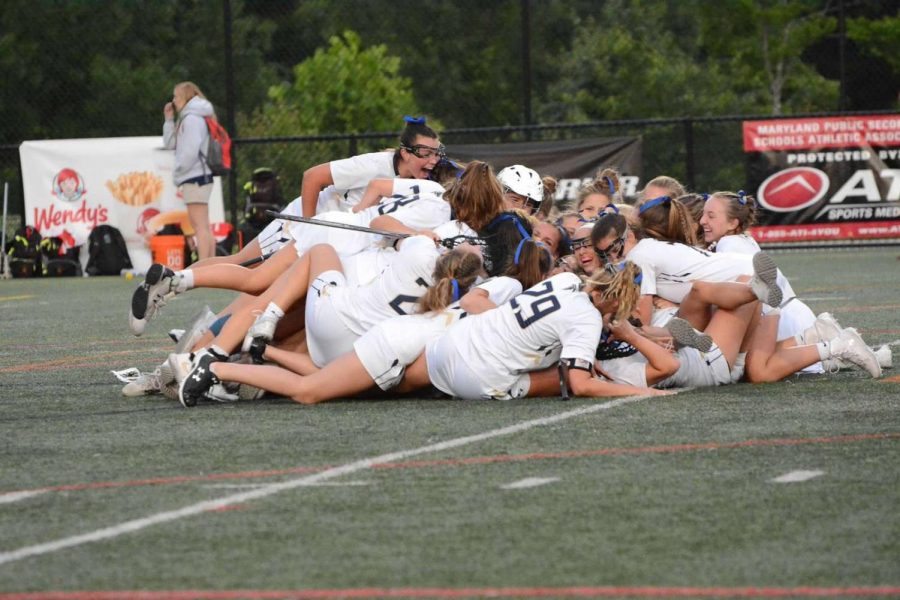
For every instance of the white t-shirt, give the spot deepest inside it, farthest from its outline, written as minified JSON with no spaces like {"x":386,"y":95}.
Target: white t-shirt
{"x":351,"y":176}
{"x":404,"y":338}
{"x":516,"y":337}
{"x":741,"y":243}
{"x":395,"y":292}
{"x":669,"y":268}
{"x":424,"y":210}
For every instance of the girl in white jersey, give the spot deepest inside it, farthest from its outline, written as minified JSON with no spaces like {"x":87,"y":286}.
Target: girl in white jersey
{"x":494,"y":355}
{"x":336,"y":314}
{"x":381,"y":355}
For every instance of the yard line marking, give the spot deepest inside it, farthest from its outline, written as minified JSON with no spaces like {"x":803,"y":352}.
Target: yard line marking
{"x":463,"y":592}
{"x":259,"y":485}
{"x":797,"y":476}
{"x":359,"y":465}
{"x":11,"y":497}
{"x":817,"y":298}
{"x":528,"y":482}
{"x":476,"y":460}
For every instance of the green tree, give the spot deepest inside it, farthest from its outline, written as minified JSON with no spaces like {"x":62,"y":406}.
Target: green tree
{"x":343,"y":88}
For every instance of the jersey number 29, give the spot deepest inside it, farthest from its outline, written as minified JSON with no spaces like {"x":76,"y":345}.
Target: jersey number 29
{"x":544,"y":304}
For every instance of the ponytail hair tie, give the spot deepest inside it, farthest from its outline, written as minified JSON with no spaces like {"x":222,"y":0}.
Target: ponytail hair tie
{"x":455,"y":284}
{"x":705,"y":197}
{"x":414,"y":120}
{"x":612,"y":186}
{"x":651,"y":203}
{"x":637,"y":278}
{"x":609,"y":209}
{"x":742,"y":197}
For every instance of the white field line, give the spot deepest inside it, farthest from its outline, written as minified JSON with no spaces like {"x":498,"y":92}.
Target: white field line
{"x":240,"y":486}
{"x":11,"y":497}
{"x":210,"y":505}
{"x":528,"y":482}
{"x":797,"y":476}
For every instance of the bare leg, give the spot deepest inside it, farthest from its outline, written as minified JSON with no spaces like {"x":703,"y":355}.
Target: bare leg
{"x":245,"y":279}
{"x":343,"y":377}
{"x":298,"y":362}
{"x":766,"y":362}
{"x":415,"y":376}
{"x":728,"y":328}
{"x":199,"y":217}
{"x":544,"y":383}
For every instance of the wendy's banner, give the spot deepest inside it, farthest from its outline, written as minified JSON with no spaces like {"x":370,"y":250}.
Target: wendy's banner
{"x":71,"y":186}
{"x":825,"y":178}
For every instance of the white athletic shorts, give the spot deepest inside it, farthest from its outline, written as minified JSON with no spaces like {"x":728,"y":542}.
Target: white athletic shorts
{"x":275,"y":236}
{"x":326,"y":334}
{"x":381,"y":363}
{"x":699,"y":369}
{"x":450,"y":374}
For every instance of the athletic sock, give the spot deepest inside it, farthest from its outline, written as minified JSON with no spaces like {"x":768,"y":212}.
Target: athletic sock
{"x":273,"y":310}
{"x":183,"y":281}
{"x":824,"y":349}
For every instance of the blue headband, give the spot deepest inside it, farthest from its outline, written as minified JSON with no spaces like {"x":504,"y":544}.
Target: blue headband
{"x":742,"y":197}
{"x":609,"y":209}
{"x":414,"y":120}
{"x":651,"y":203}
{"x":508,"y":217}
{"x":455,"y":285}
{"x":637,"y":278}
{"x":612,"y":186}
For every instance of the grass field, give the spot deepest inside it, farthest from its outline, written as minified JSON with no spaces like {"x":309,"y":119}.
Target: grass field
{"x":788,"y":489}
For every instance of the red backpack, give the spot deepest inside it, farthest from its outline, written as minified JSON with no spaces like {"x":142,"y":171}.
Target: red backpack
{"x":218,"y":151}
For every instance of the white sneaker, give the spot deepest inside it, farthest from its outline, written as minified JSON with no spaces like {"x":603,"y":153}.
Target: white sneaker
{"x":219,"y":393}
{"x":850,"y":347}
{"x":824,"y":329}
{"x":176,"y":334}
{"x":263,"y":327}
{"x":686,"y":336}
{"x":143,"y":385}
{"x":763,"y":283}
{"x":149,"y":296}
{"x":885,"y":357}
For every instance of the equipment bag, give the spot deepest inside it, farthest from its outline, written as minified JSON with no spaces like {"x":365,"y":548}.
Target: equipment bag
{"x":61,"y":256}
{"x":24,"y":253}
{"x":218,"y":150}
{"x":107,"y":252}
{"x":263,"y":194}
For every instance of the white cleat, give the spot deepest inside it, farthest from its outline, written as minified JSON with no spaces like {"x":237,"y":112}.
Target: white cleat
{"x":686,"y":336}
{"x":263,"y":328}
{"x":850,"y":347}
{"x":763,"y":283}
{"x":149,"y":296}
{"x":885,"y":357}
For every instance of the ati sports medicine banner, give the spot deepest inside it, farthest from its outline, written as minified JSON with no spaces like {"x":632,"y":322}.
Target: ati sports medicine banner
{"x":571,"y":162}
{"x":74,"y":185}
{"x":828,"y":178}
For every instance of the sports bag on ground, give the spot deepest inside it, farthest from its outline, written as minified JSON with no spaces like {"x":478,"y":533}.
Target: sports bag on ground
{"x":23,"y":253}
{"x":107,"y":252}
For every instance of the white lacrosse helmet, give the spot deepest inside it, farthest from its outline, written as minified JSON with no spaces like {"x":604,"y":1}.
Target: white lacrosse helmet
{"x":523,"y":181}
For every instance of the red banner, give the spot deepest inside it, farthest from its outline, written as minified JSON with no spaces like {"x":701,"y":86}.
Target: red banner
{"x":827,"y":178}
{"x":819,"y":233}
{"x":822,"y":133}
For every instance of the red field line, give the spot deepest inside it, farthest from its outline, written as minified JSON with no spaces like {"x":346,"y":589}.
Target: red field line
{"x":645,"y":450}
{"x":894,"y":379}
{"x":70,"y":362}
{"x":472,"y":461}
{"x":468,"y":592}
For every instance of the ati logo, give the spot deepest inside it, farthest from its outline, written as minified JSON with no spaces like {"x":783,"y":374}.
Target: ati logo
{"x":793,"y":189}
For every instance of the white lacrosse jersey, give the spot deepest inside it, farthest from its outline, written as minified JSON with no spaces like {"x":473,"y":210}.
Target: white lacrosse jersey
{"x":387,"y":348}
{"x":395,"y":292}
{"x":421,"y":210}
{"x":742,"y":243}
{"x":351,"y":176}
{"x":669,"y":268}
{"x":276,"y":234}
{"x":554,"y":315}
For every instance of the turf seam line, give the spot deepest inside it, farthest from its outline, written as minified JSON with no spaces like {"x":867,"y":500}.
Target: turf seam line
{"x":134,"y":525}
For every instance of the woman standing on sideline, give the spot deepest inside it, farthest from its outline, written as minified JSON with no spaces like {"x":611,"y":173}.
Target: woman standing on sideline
{"x":189,"y":136}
